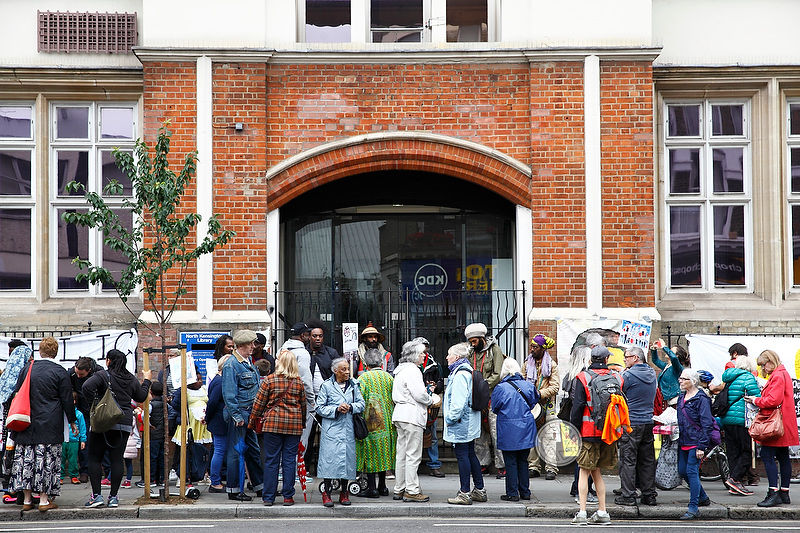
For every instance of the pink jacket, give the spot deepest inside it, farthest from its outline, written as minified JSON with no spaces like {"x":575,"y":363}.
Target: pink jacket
{"x":779,"y":392}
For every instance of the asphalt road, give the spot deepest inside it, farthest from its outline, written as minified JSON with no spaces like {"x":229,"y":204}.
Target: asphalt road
{"x":407,"y":525}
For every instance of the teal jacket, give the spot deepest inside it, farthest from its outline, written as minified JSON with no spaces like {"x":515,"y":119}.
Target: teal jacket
{"x":740,"y":382}
{"x":668,"y":378}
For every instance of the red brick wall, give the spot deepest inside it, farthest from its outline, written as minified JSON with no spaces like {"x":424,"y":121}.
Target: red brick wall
{"x":557,"y":188}
{"x":626,"y":121}
{"x":240,"y":190}
{"x":313,"y":104}
{"x":170,"y":93}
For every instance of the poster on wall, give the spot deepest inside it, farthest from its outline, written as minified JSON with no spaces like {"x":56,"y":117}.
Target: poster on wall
{"x":350,"y":341}
{"x":94,"y":344}
{"x":635,"y":334}
{"x":200,"y":347}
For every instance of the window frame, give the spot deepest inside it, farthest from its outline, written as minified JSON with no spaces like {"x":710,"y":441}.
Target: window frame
{"x":706,"y":198}
{"x":94,"y":145}
{"x":792,"y":198}
{"x":18,"y":202}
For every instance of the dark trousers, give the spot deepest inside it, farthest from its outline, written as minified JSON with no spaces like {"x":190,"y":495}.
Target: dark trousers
{"x":517,"y":483}
{"x":280,"y":450}
{"x":468,"y":465}
{"x":113,"y":442}
{"x":738,"y":450}
{"x":781,"y":453}
{"x":239,"y":437}
{"x":157,"y":461}
{"x":637,"y":461}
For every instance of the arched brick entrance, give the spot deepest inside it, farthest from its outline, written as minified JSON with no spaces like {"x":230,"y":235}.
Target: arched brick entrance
{"x":399,"y":151}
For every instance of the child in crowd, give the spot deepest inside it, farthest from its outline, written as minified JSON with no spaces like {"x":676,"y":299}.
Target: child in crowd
{"x":156,"y":435}
{"x":132,"y":447}
{"x":69,"y":450}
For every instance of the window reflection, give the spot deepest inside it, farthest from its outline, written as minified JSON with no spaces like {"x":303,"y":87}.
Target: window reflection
{"x":73,"y":241}
{"x":796,"y":244}
{"x":727,"y":120}
{"x":15,"y":172}
{"x":684,"y":171}
{"x":116,"y":261}
{"x":684,"y":234}
{"x":467,"y":21}
{"x":72,"y":122}
{"x":116,"y":123}
{"x":395,"y":21}
{"x":73,"y":165}
{"x":728,"y":169}
{"x":111,"y":171}
{"x":16,"y":122}
{"x":794,"y":119}
{"x":729,"y":265}
{"x":328,"y":21}
{"x":684,"y":120}
{"x":15,"y":249}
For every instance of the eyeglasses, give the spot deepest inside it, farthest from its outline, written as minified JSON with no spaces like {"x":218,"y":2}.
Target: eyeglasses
{"x":629,"y":356}
{"x":684,"y":379}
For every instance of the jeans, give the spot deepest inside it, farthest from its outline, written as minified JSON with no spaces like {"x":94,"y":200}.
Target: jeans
{"x":128,"y":469}
{"x":781,"y":453}
{"x":251,"y":456}
{"x":738,"y":450}
{"x":637,"y":467}
{"x":409,"y":454}
{"x":689,"y":469}
{"x":217,"y":458}
{"x":279,"y":449}
{"x":486,"y":444}
{"x":468,"y":464}
{"x":517,"y":483}
{"x":433,"y":452}
{"x":157,"y":461}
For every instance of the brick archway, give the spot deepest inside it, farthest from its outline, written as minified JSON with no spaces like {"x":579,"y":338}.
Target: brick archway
{"x":427,"y":152}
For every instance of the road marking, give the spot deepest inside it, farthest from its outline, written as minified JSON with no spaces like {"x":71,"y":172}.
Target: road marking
{"x":116,"y":527}
{"x":626,"y":525}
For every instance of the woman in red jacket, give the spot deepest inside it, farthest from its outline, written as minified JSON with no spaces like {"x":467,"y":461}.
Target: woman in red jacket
{"x":777,"y":395}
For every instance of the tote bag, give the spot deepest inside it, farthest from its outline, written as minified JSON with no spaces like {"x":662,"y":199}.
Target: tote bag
{"x":19,"y":413}
{"x":105,"y":413}
{"x":667,"y":477}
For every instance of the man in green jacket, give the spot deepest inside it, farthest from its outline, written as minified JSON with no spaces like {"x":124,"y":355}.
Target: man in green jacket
{"x":486,"y":356}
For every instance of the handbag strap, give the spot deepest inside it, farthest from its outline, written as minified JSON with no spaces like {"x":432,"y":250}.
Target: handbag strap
{"x":521,"y":394}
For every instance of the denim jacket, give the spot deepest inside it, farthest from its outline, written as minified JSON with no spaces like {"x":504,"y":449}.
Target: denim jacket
{"x":239,"y":387}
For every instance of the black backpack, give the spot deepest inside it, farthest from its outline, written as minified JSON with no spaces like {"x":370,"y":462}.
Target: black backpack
{"x":722,"y":402}
{"x":601,"y":388}
{"x":480,"y":391}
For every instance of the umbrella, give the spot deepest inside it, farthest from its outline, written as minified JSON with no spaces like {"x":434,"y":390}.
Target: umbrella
{"x":240,"y":447}
{"x":301,"y":469}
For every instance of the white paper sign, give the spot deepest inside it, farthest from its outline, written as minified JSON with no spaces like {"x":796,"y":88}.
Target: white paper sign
{"x":175,"y":370}
{"x":211,"y":370}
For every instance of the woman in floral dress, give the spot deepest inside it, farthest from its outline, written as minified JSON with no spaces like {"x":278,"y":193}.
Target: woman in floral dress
{"x":376,"y":453}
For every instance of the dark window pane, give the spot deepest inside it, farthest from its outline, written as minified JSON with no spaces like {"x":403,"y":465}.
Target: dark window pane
{"x":116,"y":261}
{"x":394,"y":21}
{"x":15,"y":172}
{"x":16,"y":122}
{"x":110,"y":171}
{"x":684,"y":120}
{"x":728,"y":169}
{"x":72,"y":122}
{"x":794,"y":119}
{"x":795,"y":169}
{"x":328,"y":21}
{"x":729,"y":245}
{"x":73,"y":241}
{"x":727,"y":120}
{"x":467,"y":21}
{"x":796,"y":244}
{"x":72,"y":166}
{"x":684,"y":171}
{"x":684,"y":246}
{"x":116,"y":123}
{"x":15,"y":249}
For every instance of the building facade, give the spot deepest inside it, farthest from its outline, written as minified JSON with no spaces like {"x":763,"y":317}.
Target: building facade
{"x":420,"y":164}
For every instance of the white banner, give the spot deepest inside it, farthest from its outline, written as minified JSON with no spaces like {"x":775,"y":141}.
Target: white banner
{"x":632,"y":333}
{"x":710,"y":352}
{"x":94,"y":344}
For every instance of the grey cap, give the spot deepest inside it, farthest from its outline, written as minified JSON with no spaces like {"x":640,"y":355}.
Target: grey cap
{"x":600,"y":353}
{"x":244,"y":336}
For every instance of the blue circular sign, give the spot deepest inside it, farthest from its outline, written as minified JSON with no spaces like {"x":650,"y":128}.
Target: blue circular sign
{"x":430,"y":280}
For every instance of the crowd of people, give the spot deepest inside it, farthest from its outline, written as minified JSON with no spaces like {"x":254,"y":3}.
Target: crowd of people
{"x":374,"y":414}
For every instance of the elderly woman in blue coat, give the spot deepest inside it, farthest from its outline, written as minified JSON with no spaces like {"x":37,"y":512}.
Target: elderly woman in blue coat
{"x":512,"y":401}
{"x":337,"y":400}
{"x":462,"y":425}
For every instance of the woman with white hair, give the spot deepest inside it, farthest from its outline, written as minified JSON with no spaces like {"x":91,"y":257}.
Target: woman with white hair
{"x":411,"y":400}
{"x":512,"y":401}
{"x":695,"y":423}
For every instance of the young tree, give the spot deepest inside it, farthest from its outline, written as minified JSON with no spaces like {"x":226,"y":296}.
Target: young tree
{"x":155,"y":246}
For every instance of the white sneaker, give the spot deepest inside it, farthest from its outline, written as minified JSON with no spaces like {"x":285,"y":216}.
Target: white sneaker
{"x":580,"y":519}
{"x":591,"y":498}
{"x":600,"y":520}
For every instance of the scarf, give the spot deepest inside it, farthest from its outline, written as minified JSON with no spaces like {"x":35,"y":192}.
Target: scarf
{"x":457,"y":364}
{"x":16,"y":362}
{"x":547,"y":368}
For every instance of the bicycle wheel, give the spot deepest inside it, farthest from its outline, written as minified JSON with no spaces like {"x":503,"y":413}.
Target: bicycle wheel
{"x":714,"y":466}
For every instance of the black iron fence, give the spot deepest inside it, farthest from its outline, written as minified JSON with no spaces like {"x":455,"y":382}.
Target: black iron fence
{"x":403,"y":314}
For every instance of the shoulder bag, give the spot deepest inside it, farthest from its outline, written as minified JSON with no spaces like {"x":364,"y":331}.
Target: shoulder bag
{"x":105,"y":412}
{"x":359,"y":424}
{"x":19,"y":413}
{"x":768,"y":425}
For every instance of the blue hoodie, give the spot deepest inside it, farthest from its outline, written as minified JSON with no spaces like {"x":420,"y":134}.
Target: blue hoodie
{"x":640,"y":391}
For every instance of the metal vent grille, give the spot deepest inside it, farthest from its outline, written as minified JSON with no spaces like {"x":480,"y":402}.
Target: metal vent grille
{"x":112,"y":33}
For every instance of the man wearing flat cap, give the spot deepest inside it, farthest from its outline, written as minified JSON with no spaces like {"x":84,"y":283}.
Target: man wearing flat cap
{"x":240,"y":382}
{"x":300,"y":335}
{"x":370,"y":339}
{"x":486,"y":356}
